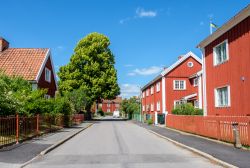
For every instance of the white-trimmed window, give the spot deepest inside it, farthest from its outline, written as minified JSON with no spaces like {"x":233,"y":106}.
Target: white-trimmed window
{"x":220,"y":53}
{"x":190,"y":64}
{"x":147,"y":92}
{"x":152,"y":107}
{"x":143,"y":94}
{"x":143,"y":108}
{"x":108,"y":110}
{"x":178,"y":102}
{"x":158,"y":86}
{"x":147,"y":107}
{"x":222,"y":96}
{"x":46,"y":96}
{"x":158,"y":106}
{"x":152,"y":90}
{"x":108,"y":105}
{"x":179,"y":84}
{"x":195,"y":81}
{"x":196,"y":104}
{"x":47,"y":75}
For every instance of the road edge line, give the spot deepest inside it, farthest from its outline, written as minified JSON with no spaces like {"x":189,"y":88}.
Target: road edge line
{"x":203,"y":154}
{"x":47,"y":150}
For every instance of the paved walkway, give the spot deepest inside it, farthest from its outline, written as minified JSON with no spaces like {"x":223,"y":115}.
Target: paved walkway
{"x":119,"y":144}
{"x":226,"y":153}
{"x":16,"y":155}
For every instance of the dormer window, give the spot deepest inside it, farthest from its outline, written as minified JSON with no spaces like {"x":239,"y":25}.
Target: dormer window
{"x":47,"y":75}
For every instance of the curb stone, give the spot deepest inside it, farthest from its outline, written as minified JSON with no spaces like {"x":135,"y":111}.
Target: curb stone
{"x":44,"y":152}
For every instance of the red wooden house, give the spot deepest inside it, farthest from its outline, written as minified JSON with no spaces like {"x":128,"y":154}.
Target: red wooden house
{"x":226,"y":70}
{"x":32,"y":64}
{"x":177,"y":84}
{"x":109,"y":106}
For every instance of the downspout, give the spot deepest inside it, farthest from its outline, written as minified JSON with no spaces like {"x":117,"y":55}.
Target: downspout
{"x":204,"y":82}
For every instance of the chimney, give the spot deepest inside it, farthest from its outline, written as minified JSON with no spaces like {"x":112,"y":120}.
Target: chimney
{"x":3,"y":44}
{"x":180,"y":57}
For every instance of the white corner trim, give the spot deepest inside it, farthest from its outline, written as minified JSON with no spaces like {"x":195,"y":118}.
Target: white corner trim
{"x":48,"y":54}
{"x":189,"y":54}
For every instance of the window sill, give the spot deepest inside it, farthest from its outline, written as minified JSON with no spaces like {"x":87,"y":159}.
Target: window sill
{"x":221,"y":63}
{"x":219,"y":107}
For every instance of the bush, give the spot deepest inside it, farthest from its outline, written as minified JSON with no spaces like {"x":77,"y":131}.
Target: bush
{"x":186,"y":109}
{"x":150,"y":121}
{"x":109,"y":113}
{"x":100,"y":112}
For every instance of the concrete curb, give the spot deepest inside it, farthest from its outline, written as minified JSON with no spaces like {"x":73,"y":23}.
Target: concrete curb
{"x":203,"y":154}
{"x":44,"y":152}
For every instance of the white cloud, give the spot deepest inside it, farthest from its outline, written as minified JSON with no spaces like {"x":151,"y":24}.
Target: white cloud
{"x":145,"y":71}
{"x":129,"y":90}
{"x":140,"y":12}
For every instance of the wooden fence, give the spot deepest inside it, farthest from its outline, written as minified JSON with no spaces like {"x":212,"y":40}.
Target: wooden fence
{"x":18,"y":128}
{"x":217,"y":127}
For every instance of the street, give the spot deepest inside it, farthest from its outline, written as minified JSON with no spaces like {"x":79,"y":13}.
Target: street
{"x":119,"y":144}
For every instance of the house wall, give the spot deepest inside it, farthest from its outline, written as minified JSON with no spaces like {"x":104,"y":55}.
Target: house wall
{"x":112,"y":107}
{"x":152,"y":98}
{"x":231,"y":72}
{"x":181,"y":72}
{"x":42,"y":83}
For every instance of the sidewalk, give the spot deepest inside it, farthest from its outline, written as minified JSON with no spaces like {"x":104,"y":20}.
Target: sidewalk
{"x":226,"y":153}
{"x":16,"y":155}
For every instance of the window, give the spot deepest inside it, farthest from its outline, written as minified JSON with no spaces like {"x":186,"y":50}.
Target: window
{"x":158,"y":106}
{"x":158,"y":87}
{"x":152,"y":90}
{"x":190,"y":64}
{"x":222,"y":97}
{"x":143,"y":94}
{"x":143,"y":108}
{"x":47,"y":96}
{"x":147,"y":107}
{"x":147,"y":92}
{"x":196,"y":104}
{"x":220,"y":53}
{"x":195,"y":80}
{"x":178,"y":102}
{"x":108,"y":105}
{"x":108,"y":110}
{"x":179,"y":84}
{"x":47,"y":75}
{"x":152,"y":107}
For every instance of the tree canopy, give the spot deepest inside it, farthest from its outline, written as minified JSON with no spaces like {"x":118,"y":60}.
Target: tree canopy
{"x":131,"y":106}
{"x":91,"y":69}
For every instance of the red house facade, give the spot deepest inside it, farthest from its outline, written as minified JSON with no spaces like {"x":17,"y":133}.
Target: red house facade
{"x":226,"y":58}
{"x":33,"y":64}
{"x":109,"y":106}
{"x":180,"y":83}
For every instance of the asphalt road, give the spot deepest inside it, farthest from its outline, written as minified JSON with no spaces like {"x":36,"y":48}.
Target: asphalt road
{"x":119,"y":144}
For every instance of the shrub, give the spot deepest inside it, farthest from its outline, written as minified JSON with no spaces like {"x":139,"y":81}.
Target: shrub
{"x":186,"y":109}
{"x":150,"y":121}
{"x":100,"y":112}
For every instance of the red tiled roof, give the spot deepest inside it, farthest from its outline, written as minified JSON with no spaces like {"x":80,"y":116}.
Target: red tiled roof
{"x":116,"y":100}
{"x":24,"y":62}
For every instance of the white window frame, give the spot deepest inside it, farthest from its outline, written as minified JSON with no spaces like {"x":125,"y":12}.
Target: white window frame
{"x":147,"y":107}
{"x":158,"y":86}
{"x":46,"y":96}
{"x":179,"y":102}
{"x":143,"y":94}
{"x":190,"y":64}
{"x":158,"y":106}
{"x":47,"y":76}
{"x":152,"y":107}
{"x":179,"y":85}
{"x":152,"y":90}
{"x":195,"y":81}
{"x":215,"y":53}
{"x":147,"y":92}
{"x":216,"y":97}
{"x":143,"y":108}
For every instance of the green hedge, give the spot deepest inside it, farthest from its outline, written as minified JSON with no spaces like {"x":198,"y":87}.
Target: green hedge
{"x":186,"y":109}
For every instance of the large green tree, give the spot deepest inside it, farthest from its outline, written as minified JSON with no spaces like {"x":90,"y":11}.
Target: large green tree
{"x":131,"y":106}
{"x":91,"y":69}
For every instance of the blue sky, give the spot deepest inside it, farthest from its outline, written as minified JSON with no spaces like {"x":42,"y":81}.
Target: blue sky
{"x":145,"y":35}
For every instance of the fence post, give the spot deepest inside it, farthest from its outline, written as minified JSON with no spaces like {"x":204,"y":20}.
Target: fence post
{"x":37,"y":124}
{"x":248,"y":128}
{"x":218,"y":129}
{"x":17,"y":129}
